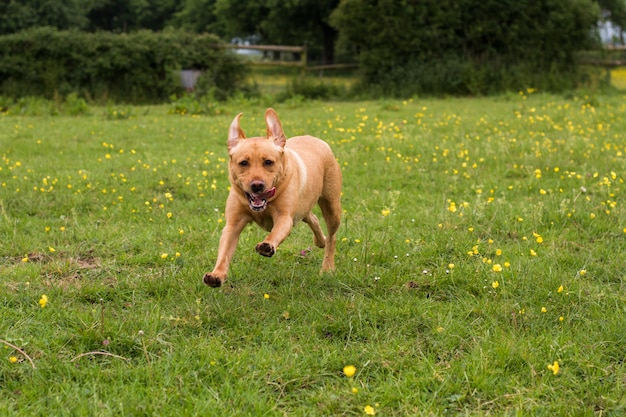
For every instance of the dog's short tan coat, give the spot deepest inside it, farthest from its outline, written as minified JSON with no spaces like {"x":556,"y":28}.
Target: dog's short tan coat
{"x":275,"y":183}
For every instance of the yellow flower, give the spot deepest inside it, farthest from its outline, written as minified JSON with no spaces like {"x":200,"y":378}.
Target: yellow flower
{"x":43,"y":300}
{"x":498,"y":252}
{"x":12,"y":359}
{"x":355,"y":390}
{"x":369,"y":410}
{"x":544,"y":310}
{"x":51,"y":249}
{"x":560,"y":289}
{"x":164,"y":256}
{"x":349,"y":370}
{"x":554,"y":367}
{"x":25,"y":258}
{"x":533,"y":253}
{"x":583,"y":271}
{"x":385,"y":212}
{"x":496,"y":268}
{"x":169,"y":215}
{"x":266,"y":296}
{"x":495,"y":284}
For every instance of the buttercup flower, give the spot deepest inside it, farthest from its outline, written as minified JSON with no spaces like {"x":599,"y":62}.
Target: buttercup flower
{"x":43,"y":300}
{"x":349,"y":370}
{"x":369,"y":410}
{"x":554,"y":367}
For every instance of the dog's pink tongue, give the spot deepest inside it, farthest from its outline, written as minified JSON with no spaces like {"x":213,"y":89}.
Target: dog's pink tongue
{"x":269,"y":193}
{"x":259,"y":198}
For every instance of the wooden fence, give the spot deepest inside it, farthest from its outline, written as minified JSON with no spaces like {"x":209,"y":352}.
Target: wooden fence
{"x":610,"y":56}
{"x":278,"y":55}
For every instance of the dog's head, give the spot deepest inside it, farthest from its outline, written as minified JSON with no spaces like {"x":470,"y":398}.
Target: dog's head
{"x":256,"y":164}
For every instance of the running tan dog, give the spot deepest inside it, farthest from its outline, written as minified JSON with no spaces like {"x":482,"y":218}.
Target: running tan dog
{"x":275,"y":183}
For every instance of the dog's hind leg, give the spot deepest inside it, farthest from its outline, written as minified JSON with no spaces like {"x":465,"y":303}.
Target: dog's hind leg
{"x":331,"y":210}
{"x":318,"y":235}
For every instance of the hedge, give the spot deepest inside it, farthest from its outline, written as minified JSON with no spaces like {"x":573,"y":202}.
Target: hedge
{"x":131,"y":68}
{"x":470,"y":47}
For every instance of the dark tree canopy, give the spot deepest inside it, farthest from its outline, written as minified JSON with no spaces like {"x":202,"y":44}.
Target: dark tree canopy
{"x":447,"y":45}
{"x":466,"y":46}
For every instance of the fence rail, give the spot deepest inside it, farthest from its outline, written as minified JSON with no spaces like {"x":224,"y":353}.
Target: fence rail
{"x":302,"y":62}
{"x":610,"y":56}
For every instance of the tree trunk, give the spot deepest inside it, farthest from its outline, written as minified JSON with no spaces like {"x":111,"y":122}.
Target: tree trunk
{"x":329,"y":36}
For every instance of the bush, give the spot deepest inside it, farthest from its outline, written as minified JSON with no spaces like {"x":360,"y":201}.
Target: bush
{"x":136,"y":68}
{"x":466,"y":46}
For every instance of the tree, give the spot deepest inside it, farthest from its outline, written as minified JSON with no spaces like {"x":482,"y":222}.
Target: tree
{"x":293,"y":22}
{"x":23,"y":14}
{"x":198,"y":16}
{"x":130,"y":15}
{"x":614,"y":11}
{"x":467,"y":46}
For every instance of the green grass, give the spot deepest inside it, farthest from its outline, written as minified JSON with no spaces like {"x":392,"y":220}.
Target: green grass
{"x":271,"y":80}
{"x":116,"y":215}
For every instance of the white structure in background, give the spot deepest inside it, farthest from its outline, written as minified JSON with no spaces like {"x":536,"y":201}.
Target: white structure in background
{"x":189,"y":78}
{"x":249,"y":40}
{"x":610,"y":34}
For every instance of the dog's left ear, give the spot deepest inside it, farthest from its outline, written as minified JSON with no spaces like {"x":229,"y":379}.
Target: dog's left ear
{"x":274,"y":128}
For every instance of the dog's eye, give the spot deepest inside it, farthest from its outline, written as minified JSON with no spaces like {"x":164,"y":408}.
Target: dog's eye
{"x":243,"y":163}
{"x":268,"y":163}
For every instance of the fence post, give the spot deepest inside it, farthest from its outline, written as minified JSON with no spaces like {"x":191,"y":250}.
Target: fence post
{"x":303,"y":61}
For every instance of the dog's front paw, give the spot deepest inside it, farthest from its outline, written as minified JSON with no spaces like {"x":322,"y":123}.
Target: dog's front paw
{"x":265,"y":249}
{"x":213,"y":280}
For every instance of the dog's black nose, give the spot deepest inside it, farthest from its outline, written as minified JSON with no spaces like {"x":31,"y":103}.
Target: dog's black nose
{"x":257,"y":186}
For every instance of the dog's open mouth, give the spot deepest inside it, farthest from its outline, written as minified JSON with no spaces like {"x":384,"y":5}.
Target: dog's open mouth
{"x":258,"y":202}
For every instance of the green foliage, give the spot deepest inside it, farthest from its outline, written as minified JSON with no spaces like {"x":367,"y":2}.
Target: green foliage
{"x":137,"y":67}
{"x":310,"y":88}
{"x":23,"y":14}
{"x":193,"y":104}
{"x":469,"y":46}
{"x":130,"y":15}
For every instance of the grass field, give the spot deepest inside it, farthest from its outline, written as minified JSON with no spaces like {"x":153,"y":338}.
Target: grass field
{"x":481,"y":265}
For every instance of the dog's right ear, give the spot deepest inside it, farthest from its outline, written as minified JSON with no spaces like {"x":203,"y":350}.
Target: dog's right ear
{"x":235,"y":133}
